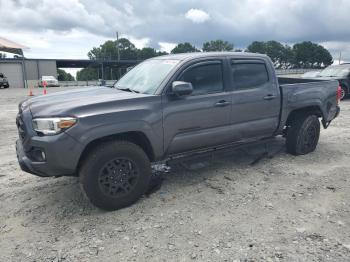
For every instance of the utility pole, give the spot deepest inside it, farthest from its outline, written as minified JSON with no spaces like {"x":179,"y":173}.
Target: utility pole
{"x":118,"y":46}
{"x":118,"y":54}
{"x":339,"y":57}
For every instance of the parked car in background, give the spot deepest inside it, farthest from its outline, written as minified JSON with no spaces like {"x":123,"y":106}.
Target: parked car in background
{"x":3,"y":81}
{"x":50,"y":81}
{"x":310,"y":74}
{"x":340,"y":73}
{"x":166,"y":108}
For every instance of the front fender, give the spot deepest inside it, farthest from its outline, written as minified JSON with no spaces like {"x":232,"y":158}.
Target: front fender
{"x":85,"y":135}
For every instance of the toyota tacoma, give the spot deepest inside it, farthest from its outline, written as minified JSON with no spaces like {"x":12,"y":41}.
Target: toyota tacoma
{"x":164,"y":108}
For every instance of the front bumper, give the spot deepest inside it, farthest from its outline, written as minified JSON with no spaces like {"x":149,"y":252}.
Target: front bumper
{"x":61,"y":152}
{"x":23,"y":161}
{"x":61,"y":156}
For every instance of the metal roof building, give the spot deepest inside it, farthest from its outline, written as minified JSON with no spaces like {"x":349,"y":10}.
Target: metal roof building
{"x":24,"y":72}
{"x":27,"y":72}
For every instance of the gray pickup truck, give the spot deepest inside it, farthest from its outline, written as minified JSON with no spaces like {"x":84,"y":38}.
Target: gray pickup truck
{"x":167,"y":107}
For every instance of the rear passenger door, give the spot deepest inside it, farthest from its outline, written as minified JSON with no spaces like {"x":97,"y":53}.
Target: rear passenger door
{"x":255,"y":99}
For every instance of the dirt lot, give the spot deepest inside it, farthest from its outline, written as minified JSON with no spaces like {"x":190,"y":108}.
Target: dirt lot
{"x":283,"y":208}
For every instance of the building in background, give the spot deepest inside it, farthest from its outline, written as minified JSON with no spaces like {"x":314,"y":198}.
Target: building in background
{"x":26,"y":72}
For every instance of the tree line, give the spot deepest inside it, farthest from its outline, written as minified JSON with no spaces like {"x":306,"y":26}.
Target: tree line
{"x":301,"y":55}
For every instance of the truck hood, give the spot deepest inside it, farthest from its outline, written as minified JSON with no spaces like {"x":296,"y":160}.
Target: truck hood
{"x":65,"y":103}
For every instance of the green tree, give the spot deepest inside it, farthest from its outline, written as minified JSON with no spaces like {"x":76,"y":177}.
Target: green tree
{"x":323,"y":57}
{"x":257,"y":47}
{"x":311,"y":55}
{"x":277,"y":52}
{"x":281,"y":55}
{"x":159,"y":53}
{"x":146,"y":52}
{"x":288,"y":58}
{"x":64,"y":76}
{"x":109,"y":50}
{"x":87,"y":74}
{"x":127,"y":50}
{"x":184,"y":48}
{"x":217,"y":45}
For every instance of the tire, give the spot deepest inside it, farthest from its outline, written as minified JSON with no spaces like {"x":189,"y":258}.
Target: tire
{"x":303,"y":134}
{"x":344,"y":93}
{"x":115,"y":175}
{"x":7,"y":86}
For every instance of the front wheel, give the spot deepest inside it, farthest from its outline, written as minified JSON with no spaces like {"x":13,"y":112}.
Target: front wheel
{"x":303,"y":134}
{"x":115,"y":175}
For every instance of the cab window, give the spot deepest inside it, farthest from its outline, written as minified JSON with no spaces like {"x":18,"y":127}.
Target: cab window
{"x":249,"y":75}
{"x":205,"y":78}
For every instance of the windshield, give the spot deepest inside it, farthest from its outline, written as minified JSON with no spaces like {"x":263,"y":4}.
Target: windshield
{"x":339,"y":71}
{"x":146,"y":77}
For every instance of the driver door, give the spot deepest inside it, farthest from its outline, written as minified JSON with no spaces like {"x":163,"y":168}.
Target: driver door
{"x":203,"y":118}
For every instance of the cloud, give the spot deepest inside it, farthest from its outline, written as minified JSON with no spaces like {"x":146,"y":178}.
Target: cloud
{"x":197,"y":16}
{"x":153,"y":22}
{"x":166,"y":47}
{"x":339,"y":50}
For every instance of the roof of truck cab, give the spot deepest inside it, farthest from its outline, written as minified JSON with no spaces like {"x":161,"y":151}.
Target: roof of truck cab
{"x":187,"y":56}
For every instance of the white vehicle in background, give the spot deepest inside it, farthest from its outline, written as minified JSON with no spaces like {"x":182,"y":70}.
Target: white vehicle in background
{"x":310,"y":74}
{"x":50,"y":81}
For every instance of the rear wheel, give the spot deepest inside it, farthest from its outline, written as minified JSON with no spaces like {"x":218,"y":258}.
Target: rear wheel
{"x":115,"y":175}
{"x":303,"y":134}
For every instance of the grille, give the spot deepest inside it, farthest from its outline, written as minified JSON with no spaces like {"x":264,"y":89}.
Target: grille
{"x":20,"y":127}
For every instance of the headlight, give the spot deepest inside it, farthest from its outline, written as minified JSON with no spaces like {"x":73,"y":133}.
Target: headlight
{"x":53,"y":126}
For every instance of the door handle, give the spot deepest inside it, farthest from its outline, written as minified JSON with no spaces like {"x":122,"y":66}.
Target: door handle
{"x":269,"y":97}
{"x":222,"y":103}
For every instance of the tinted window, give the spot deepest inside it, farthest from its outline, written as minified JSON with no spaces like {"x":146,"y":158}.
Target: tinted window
{"x":249,"y":75}
{"x":205,"y":78}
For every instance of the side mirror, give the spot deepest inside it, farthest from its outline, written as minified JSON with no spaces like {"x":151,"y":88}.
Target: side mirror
{"x":181,"y":88}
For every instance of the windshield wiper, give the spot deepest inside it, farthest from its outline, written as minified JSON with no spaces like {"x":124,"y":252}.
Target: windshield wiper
{"x":127,"y":89}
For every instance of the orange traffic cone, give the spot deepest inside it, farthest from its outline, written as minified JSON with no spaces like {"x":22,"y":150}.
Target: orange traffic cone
{"x":44,"y":84}
{"x":30,"y":92}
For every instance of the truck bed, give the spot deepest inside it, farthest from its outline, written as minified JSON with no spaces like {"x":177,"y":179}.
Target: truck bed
{"x":300,"y":92}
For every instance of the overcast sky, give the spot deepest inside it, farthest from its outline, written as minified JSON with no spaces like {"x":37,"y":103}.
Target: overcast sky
{"x":70,"y":28}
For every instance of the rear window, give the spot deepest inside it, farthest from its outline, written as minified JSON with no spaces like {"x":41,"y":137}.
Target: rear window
{"x":249,"y":75}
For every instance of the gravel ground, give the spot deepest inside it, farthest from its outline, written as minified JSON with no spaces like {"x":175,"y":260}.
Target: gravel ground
{"x":223,"y":208}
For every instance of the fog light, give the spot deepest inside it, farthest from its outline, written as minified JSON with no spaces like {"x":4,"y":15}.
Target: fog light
{"x":37,"y":154}
{"x":43,"y":155}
